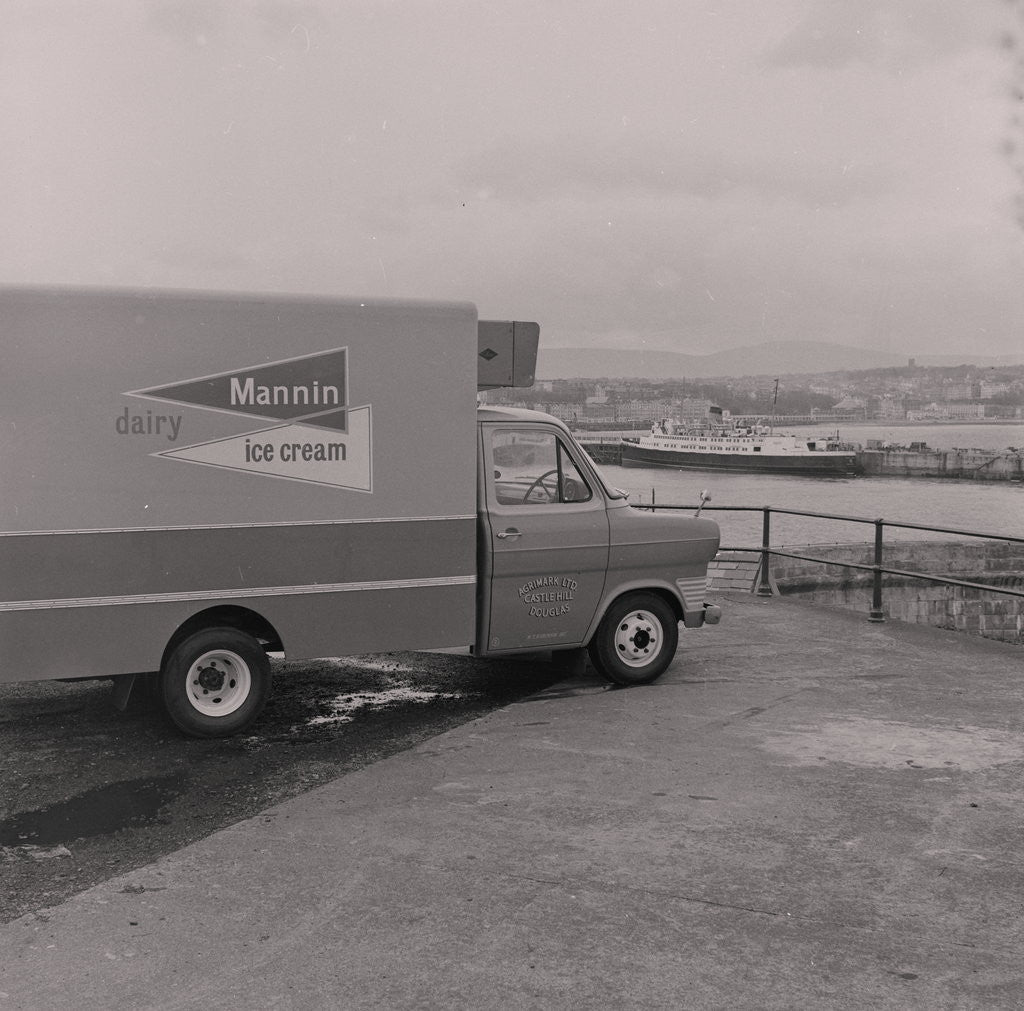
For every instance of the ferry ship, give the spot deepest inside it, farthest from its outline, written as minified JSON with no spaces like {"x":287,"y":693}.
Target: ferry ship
{"x":721,"y":445}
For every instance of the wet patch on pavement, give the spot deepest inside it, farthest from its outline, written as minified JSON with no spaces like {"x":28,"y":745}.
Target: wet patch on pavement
{"x":87,"y":792}
{"x":889,"y":744}
{"x":99,"y":811}
{"x":343,"y":708}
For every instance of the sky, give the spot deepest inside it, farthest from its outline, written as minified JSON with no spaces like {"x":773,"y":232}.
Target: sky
{"x":685,"y":175}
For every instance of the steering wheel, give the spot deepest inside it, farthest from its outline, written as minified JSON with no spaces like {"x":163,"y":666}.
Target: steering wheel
{"x":551,"y":490}
{"x":572,"y":491}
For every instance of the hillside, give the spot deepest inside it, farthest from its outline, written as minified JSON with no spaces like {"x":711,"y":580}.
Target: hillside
{"x":780,"y":358}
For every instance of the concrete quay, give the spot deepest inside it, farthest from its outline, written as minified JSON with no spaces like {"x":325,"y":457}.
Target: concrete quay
{"x":807,"y":811}
{"x":959,"y":464}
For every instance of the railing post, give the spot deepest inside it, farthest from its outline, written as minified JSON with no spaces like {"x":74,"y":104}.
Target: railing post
{"x":877,"y":614}
{"x":764,"y":585}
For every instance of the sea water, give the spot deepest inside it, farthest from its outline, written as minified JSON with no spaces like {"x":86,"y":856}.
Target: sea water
{"x":994,"y":507}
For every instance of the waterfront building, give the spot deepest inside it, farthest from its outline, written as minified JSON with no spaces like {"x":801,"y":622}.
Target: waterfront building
{"x":891,"y":408}
{"x":690,"y":411}
{"x":947,"y":412}
{"x":961,"y":391}
{"x":988,"y":390}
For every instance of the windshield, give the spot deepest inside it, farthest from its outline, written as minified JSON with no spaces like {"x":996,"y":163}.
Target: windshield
{"x":609,"y":489}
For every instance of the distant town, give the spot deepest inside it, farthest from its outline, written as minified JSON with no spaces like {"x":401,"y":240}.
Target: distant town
{"x":962,"y":393}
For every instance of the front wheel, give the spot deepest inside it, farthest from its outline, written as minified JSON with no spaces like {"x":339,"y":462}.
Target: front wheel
{"x":636,"y":639}
{"x":215,"y":683}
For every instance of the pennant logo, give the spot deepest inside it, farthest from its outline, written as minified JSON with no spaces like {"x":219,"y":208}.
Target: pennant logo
{"x":323,"y":439}
{"x":299,"y":452}
{"x":312,"y":389}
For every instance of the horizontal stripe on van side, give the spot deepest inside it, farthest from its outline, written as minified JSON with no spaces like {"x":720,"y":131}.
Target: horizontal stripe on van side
{"x":184,"y":562}
{"x":235,"y":594}
{"x":236,"y":526}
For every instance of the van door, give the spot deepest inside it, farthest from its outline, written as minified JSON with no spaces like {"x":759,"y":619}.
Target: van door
{"x":544,"y":540}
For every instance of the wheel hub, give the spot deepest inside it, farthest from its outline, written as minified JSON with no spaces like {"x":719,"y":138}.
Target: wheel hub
{"x":211,"y":678}
{"x":218,"y":682}
{"x":638,"y":638}
{"x":642,"y":638}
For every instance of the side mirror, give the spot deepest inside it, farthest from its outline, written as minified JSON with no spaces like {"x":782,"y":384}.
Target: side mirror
{"x":703,"y":496}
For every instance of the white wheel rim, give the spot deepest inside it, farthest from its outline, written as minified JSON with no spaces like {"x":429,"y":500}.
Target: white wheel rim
{"x":218,"y":682}
{"x":638,"y":638}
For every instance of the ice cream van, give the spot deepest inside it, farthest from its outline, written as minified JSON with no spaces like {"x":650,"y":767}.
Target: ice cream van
{"x":192,"y":481}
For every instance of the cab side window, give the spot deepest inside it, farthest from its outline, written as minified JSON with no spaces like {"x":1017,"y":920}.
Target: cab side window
{"x":534,"y":468}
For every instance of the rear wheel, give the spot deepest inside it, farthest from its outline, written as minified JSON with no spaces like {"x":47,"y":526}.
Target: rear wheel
{"x":215,"y":683}
{"x":636,"y":639}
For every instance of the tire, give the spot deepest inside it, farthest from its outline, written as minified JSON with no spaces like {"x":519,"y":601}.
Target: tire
{"x":636,"y":640}
{"x":215,"y":683}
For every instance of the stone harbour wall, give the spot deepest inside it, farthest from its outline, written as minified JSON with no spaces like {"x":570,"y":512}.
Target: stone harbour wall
{"x":964,"y":464}
{"x":980,"y":612}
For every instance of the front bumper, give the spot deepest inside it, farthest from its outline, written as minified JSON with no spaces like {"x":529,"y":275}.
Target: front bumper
{"x":709,"y":614}
{"x":696,"y":610}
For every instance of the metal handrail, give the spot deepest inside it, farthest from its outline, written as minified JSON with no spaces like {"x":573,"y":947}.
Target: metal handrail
{"x":877,"y":568}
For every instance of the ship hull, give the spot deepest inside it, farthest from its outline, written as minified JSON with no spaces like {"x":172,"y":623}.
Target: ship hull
{"x":818,"y":464}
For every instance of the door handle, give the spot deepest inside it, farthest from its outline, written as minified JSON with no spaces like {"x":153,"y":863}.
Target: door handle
{"x":506,"y":534}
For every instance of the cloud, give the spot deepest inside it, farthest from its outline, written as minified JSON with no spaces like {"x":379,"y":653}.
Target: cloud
{"x":642,"y":167}
{"x":221,"y":23}
{"x":687,"y":174}
{"x":835,"y":33}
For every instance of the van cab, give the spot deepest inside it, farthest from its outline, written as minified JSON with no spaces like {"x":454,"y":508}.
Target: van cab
{"x":565,"y":561}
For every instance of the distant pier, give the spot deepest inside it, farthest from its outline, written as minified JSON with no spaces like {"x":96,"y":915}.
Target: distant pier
{"x":603,"y":451}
